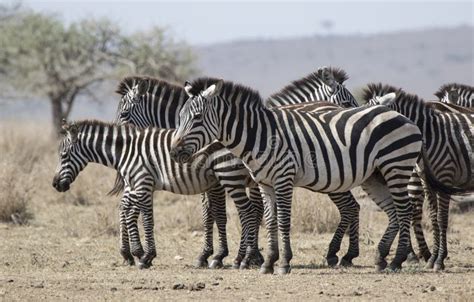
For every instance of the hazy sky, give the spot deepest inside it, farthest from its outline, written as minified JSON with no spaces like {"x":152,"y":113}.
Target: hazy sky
{"x":201,"y":22}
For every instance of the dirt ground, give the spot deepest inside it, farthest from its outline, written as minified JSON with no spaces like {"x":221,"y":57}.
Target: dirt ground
{"x":61,"y":261}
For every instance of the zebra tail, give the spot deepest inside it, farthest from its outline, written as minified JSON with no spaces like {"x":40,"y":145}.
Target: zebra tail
{"x":119,"y":184}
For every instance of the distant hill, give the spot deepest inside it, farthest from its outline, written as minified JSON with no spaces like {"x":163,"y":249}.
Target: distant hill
{"x":419,"y":61}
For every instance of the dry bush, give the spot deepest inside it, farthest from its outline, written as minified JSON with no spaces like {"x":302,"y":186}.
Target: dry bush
{"x":313,"y":213}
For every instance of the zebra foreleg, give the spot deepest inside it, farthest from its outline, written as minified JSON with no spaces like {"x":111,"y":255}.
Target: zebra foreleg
{"x":269,"y":205}
{"x":208,"y":223}
{"x":284,"y":194}
{"x":124,"y":239}
{"x":146,"y":203}
{"x":217,"y":203}
{"x":135,"y":244}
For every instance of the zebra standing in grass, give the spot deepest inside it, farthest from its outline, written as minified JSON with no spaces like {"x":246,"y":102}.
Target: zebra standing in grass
{"x":331,"y":151}
{"x":153,"y":102}
{"x":142,"y":157}
{"x":448,"y":157}
{"x":457,"y":94}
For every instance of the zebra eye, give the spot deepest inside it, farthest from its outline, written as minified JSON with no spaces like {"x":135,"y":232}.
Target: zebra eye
{"x":198,"y":116}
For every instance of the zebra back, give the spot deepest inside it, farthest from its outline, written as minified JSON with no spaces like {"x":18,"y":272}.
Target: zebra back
{"x":326,"y":84}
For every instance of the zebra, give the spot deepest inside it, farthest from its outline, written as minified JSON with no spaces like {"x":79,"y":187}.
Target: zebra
{"x":142,"y":157}
{"x":457,"y":94}
{"x":325,"y":84}
{"x":147,"y":101}
{"x":449,"y":157}
{"x":306,"y":94}
{"x":330,"y":151}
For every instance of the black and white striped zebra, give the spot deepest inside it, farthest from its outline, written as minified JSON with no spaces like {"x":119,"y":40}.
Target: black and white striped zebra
{"x":327,"y":152}
{"x":146,"y":102}
{"x":448,"y":157}
{"x":457,"y":94}
{"x":142,"y":157}
{"x":307,"y":94}
{"x":326,"y":84}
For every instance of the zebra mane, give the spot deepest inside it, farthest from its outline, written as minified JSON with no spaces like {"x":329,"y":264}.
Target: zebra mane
{"x":379,"y":89}
{"x":200,"y":84}
{"x":339,"y":75}
{"x":451,"y":86}
{"x":128,"y":83}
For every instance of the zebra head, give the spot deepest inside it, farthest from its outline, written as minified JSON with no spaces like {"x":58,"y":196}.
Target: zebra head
{"x":333,"y":88}
{"x":70,"y":160}
{"x":451,"y":96}
{"x":131,"y":108}
{"x":197,"y":123}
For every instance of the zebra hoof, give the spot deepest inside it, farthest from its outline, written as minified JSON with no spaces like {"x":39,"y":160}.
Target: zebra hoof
{"x":412,"y":258}
{"x":380,"y":265}
{"x":395,"y":267}
{"x":426,"y":255}
{"x":129,"y":262}
{"x":332,"y":261}
{"x":215,"y":264}
{"x":285,"y":270}
{"x":142,"y":265}
{"x":438,"y":267}
{"x":201,"y":264}
{"x":244,"y":265}
{"x":345,"y":263}
{"x":429,"y":265}
{"x":266,"y":270}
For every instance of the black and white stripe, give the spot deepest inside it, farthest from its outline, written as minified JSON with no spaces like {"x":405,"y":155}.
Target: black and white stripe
{"x":448,"y":158}
{"x":142,"y":157}
{"x":328,"y":152}
{"x":456,"y":94}
{"x":150,"y":102}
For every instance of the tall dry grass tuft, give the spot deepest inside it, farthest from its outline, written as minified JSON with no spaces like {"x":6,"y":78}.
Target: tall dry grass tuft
{"x":313,"y":213}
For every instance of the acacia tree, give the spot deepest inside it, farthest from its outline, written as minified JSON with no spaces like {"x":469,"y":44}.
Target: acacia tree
{"x":43,"y":57}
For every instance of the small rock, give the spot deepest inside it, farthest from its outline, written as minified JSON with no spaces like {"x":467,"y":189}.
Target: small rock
{"x":82,"y":288}
{"x":195,"y":234}
{"x":424,"y":290}
{"x":198,"y":286}
{"x":356,"y":293}
{"x":10,"y":280}
{"x":432,"y":288}
{"x":137,"y":287}
{"x":7,"y":264}
{"x":219,"y":278}
{"x":179,"y":286}
{"x":66,"y":263}
{"x":378,"y":280}
{"x":321,"y":292}
{"x":215,"y":284}
{"x":114,"y":289}
{"x":178,"y":257}
{"x":38,"y":285}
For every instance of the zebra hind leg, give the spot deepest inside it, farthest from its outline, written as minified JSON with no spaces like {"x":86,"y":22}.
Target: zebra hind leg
{"x":443,"y":212}
{"x":346,"y":204}
{"x":135,"y":244}
{"x":208,"y":223}
{"x":124,"y":239}
{"x":433,"y":206}
{"x":415,"y":191}
{"x":353,"y":251}
{"x":284,"y":195}
{"x":217,"y":203}
{"x":148,"y":228}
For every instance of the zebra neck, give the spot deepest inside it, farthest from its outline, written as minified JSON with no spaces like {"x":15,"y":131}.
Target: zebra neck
{"x":247,"y":128}
{"x":103,"y":144}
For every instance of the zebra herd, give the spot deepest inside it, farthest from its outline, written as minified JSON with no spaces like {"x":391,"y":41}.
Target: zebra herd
{"x":216,"y":137}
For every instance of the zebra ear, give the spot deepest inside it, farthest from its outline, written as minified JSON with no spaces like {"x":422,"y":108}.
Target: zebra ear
{"x":213,"y":90}
{"x":387,"y":99}
{"x":327,"y":77}
{"x":187,"y":88}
